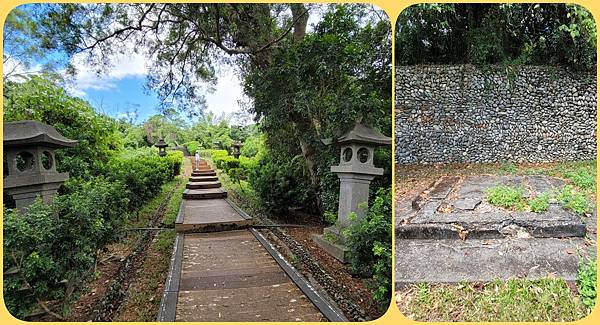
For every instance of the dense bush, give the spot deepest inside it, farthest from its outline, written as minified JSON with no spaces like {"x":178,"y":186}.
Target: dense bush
{"x":143,"y":175}
{"x":53,"y":247}
{"x":280,"y":184}
{"x":370,"y":244}
{"x":192,"y":147}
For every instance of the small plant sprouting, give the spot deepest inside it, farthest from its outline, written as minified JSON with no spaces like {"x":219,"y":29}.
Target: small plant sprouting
{"x":507,"y":197}
{"x":586,"y":283}
{"x":573,"y":200}
{"x":540,"y":203}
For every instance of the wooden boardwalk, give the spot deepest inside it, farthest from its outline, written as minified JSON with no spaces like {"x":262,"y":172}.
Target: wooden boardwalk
{"x":223,"y":270}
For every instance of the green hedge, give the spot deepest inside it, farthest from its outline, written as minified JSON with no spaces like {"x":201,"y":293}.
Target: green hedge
{"x":370,"y":244}
{"x":53,"y":247}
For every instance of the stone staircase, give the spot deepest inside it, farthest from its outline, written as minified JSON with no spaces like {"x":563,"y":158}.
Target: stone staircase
{"x":205,"y":207}
{"x":220,"y":271}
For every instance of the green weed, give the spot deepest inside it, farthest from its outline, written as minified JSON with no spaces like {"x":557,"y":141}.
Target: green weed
{"x":507,"y":197}
{"x":586,"y":283}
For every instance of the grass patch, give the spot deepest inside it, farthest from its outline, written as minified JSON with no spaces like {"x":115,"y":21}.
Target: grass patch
{"x":512,"y":198}
{"x":173,"y":206}
{"x":586,"y":283}
{"x":144,"y":295}
{"x":507,"y":168}
{"x":507,"y":197}
{"x":512,"y":300}
{"x":574,"y":200}
{"x":147,"y":211}
{"x":540,"y":203}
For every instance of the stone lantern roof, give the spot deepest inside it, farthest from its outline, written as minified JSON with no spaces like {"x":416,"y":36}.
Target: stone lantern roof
{"x":161,"y":143}
{"x":32,"y":133}
{"x":360,"y":134}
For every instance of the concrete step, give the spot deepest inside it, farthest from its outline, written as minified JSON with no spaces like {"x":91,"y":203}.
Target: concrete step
{"x":556,"y":222}
{"x":200,"y":185}
{"x":201,"y":194}
{"x":203,"y":179}
{"x":205,"y":173}
{"x":453,"y":261}
{"x":210,"y":215}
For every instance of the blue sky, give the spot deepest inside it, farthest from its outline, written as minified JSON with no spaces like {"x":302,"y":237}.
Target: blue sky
{"x":121,"y":89}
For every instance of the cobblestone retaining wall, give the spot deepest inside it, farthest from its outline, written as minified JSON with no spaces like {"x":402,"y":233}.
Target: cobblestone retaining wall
{"x":463,"y":113}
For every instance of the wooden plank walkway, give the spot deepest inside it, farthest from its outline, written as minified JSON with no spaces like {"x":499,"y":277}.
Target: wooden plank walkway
{"x":221,"y":270}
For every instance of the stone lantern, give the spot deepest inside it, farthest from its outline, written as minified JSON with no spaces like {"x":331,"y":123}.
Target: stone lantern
{"x":356,"y":171}
{"x":30,"y":161}
{"x":162,"y":146}
{"x":236,"y":149}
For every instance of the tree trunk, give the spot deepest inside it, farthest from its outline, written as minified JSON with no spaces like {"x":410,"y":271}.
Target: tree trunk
{"x":300,"y":17}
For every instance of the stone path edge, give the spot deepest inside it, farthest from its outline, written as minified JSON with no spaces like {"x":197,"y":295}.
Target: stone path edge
{"x":331,"y":313}
{"x":168,"y":303}
{"x":237,"y":209}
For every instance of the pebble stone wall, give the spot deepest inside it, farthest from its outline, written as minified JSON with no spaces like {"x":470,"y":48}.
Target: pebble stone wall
{"x":468,"y":114}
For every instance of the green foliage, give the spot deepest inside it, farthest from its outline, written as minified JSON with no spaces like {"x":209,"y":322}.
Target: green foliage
{"x":586,"y":283}
{"x":280,"y":184}
{"x":54,"y":247}
{"x":583,"y":176}
{"x":192,"y":147}
{"x":507,"y":197}
{"x":574,"y":200}
{"x":497,"y":34}
{"x":507,"y":168}
{"x":540,"y":203}
{"x":370,"y":244}
{"x":42,"y":100}
{"x":143,"y":175}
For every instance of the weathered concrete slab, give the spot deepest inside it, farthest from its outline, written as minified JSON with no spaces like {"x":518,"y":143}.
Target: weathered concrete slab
{"x":466,"y":204}
{"x":202,"y":194}
{"x":200,"y":185}
{"x":451,"y":261}
{"x":556,"y":222}
{"x":229,"y":276}
{"x":443,"y":187}
{"x":466,"y":214}
{"x":210,"y":215}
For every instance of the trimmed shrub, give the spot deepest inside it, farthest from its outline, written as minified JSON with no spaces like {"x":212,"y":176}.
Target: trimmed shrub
{"x":370,"y":244}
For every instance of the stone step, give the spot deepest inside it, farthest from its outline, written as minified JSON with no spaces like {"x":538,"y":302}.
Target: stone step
{"x":556,"y":222}
{"x":203,"y":179}
{"x":205,"y":173}
{"x":209,"y":215}
{"x":200,"y":185}
{"x":453,"y":261}
{"x":201,"y":194}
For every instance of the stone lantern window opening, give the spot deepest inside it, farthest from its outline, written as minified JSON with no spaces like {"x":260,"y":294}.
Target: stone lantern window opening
{"x":47,"y":160}
{"x":24,"y":161}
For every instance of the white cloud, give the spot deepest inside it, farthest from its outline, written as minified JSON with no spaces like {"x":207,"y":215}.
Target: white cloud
{"x":123,"y":66}
{"x":14,"y":69}
{"x":228,"y":92}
